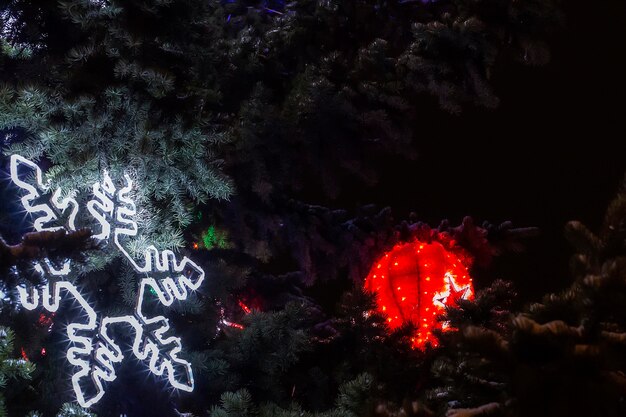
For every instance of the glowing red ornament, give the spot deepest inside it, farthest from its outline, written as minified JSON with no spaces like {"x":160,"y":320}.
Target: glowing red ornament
{"x":415,"y":282}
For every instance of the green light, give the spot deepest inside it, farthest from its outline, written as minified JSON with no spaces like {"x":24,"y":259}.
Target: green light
{"x":214,"y":238}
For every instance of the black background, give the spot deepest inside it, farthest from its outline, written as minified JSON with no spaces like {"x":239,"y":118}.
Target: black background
{"x":553,"y":151}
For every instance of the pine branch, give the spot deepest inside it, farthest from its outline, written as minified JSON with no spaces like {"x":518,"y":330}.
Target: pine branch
{"x":57,"y":245}
{"x":483,"y":410}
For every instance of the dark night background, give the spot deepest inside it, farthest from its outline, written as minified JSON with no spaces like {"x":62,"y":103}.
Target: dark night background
{"x":553,"y":151}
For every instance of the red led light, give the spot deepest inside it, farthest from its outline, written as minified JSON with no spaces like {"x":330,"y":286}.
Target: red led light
{"x":45,"y":320}
{"x":422,"y":277}
{"x":244,"y":307}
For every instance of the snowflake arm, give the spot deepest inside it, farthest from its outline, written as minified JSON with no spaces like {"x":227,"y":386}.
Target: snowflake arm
{"x":94,"y":352}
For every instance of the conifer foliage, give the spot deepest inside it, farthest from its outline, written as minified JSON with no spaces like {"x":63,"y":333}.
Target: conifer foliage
{"x":562,"y":356}
{"x":10,"y":368}
{"x":115,"y":86}
{"x":156,"y":87}
{"x":241,"y":122}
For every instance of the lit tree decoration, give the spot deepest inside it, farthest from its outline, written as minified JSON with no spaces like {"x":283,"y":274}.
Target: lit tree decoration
{"x":94,"y":352}
{"x":415,"y":282}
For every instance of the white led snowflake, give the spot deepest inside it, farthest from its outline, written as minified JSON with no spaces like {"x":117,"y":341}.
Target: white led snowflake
{"x":94,"y":352}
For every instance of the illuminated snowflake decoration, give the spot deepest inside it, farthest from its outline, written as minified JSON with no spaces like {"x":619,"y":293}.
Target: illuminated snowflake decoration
{"x":94,"y":352}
